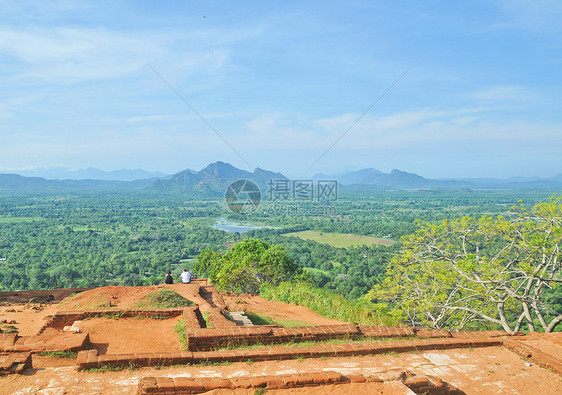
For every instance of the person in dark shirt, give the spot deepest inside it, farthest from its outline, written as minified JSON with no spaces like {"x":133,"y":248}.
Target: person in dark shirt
{"x":169,"y":279}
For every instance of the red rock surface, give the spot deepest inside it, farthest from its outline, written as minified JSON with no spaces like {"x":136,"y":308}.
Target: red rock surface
{"x":474,"y":370}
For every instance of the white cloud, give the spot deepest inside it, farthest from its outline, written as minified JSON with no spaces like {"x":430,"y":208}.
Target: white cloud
{"x":277,"y":131}
{"x":426,"y":128}
{"x":397,"y":122}
{"x":426,"y":132}
{"x":537,"y":16}
{"x":147,"y":118}
{"x":504,"y":93}
{"x":68,"y":55}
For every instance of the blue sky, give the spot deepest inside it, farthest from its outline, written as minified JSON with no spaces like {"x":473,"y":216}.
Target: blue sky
{"x":281,"y":81}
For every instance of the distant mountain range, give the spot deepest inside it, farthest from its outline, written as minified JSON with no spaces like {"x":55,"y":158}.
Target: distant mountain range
{"x":397,"y":179}
{"x":15,"y":182}
{"x":215,"y":178}
{"x":90,"y":173}
{"x":394,"y":179}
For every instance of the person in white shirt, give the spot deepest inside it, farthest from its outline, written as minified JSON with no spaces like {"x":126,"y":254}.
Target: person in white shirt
{"x":185,"y":276}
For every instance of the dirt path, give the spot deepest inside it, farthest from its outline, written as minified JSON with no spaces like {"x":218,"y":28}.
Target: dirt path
{"x":279,"y":311}
{"x":29,"y":318}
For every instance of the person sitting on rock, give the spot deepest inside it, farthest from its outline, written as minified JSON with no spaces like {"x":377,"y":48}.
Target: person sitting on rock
{"x":169,"y":278}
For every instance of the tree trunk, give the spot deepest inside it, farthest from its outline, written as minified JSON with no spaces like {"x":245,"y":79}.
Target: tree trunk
{"x":553,"y":324}
{"x":503,"y":319}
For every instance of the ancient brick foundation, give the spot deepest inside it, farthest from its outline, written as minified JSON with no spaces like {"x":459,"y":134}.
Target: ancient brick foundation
{"x":164,"y":385}
{"x":67,"y":318}
{"x":15,"y":362}
{"x":50,"y":340}
{"x":89,"y":359}
{"x":201,"y":339}
{"x":224,"y":342}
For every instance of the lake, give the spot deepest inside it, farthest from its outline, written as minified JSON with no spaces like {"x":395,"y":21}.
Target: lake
{"x":232,"y":227}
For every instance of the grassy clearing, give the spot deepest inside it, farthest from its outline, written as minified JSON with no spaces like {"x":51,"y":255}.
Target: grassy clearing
{"x":259,"y":319}
{"x":324,"y":302}
{"x":340,"y":240}
{"x":289,"y":323}
{"x":15,"y":220}
{"x":163,"y":299}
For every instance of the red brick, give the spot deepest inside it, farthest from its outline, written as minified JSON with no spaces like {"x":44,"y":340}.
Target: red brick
{"x":275,"y":383}
{"x":335,"y":377}
{"x":437,"y":383}
{"x":242,"y":383}
{"x":356,"y":378}
{"x":415,"y":383}
{"x":225,"y":383}
{"x":320,"y":378}
{"x":179,"y":381}
{"x":147,"y":385}
{"x":290,"y":381}
{"x":141,"y":360}
{"x":211,"y":384}
{"x":165,"y":383}
{"x":258,"y":382}
{"x":92,"y":359}
{"x":8,"y":362}
{"x":186,"y":384}
{"x":304,"y":379}
{"x":432,"y":333}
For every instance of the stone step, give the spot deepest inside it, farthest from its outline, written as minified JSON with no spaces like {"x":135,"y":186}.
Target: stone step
{"x":240,"y":318}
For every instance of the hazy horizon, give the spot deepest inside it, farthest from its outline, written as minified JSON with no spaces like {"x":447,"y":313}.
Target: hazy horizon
{"x":55,"y":172}
{"x":453,"y":90}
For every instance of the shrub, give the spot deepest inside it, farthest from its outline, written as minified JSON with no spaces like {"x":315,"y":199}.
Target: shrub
{"x":182,"y":335}
{"x":324,"y":302}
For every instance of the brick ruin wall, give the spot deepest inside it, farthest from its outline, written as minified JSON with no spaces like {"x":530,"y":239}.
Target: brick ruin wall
{"x":62,"y":319}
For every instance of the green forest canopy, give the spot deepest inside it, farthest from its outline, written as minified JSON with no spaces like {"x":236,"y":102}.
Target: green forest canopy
{"x":93,"y":239}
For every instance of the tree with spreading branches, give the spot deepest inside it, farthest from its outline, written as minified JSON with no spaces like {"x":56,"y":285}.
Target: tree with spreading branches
{"x":501,"y":270}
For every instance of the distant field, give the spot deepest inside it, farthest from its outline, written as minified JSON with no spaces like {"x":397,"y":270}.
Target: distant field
{"x":340,"y":240}
{"x":10,"y":220}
